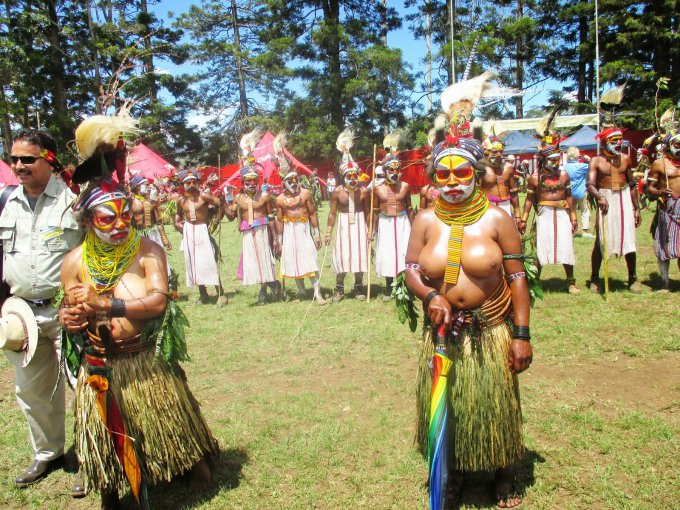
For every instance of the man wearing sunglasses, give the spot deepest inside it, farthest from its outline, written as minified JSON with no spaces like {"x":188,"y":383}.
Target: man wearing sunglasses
{"x":611,"y":183}
{"x":38,"y":229}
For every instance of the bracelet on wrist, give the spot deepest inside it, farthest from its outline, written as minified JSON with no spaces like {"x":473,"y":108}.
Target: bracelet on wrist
{"x":117,"y":307}
{"x":521,"y":333}
{"x":430,"y":296}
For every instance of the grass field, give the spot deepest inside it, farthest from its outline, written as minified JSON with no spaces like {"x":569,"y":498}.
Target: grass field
{"x":325,"y":419}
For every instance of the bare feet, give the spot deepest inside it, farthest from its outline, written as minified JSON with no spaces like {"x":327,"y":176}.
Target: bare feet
{"x":110,"y":501}
{"x":507,"y":492}
{"x":200,"y":476}
{"x":454,"y":489}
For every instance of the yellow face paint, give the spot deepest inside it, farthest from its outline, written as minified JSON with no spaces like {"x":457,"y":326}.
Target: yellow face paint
{"x":453,"y":166}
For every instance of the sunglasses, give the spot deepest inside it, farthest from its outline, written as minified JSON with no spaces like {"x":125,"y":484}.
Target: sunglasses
{"x":26,"y":160}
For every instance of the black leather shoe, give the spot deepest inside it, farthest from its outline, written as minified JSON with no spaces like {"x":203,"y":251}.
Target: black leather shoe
{"x":39,"y":469}
{"x":78,"y":487}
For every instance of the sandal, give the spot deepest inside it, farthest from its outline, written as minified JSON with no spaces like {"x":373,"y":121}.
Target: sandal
{"x":508,"y":494}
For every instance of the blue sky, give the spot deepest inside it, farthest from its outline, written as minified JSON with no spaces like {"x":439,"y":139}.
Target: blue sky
{"x":413,"y":50}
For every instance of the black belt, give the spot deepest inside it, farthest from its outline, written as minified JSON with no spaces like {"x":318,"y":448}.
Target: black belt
{"x":39,"y":303}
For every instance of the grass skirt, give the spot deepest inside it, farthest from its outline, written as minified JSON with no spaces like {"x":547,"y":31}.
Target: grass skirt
{"x":160,"y":414}
{"x":485,"y":418}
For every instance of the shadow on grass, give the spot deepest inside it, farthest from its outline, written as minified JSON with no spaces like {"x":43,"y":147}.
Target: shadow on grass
{"x":479,"y":490}
{"x":226,"y":475}
{"x":656,"y":283}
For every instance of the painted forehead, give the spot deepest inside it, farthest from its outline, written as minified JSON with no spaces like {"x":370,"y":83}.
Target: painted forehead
{"x":118,"y":206}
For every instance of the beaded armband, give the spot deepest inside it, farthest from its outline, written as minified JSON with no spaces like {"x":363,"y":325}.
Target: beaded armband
{"x":415,"y":267}
{"x":513,"y":276}
{"x":531,"y":191}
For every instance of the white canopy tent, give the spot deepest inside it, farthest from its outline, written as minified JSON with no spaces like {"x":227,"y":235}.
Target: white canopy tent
{"x":566,"y":121}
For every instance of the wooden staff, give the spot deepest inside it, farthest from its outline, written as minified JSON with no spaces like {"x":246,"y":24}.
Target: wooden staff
{"x":605,"y":256}
{"x":370,"y":226}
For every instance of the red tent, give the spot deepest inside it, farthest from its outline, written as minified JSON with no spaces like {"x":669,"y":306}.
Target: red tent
{"x":265,"y":156}
{"x":7,"y":177}
{"x":146,"y":162}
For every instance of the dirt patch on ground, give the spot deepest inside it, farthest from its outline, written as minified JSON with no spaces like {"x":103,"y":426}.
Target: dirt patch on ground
{"x":649,"y":385}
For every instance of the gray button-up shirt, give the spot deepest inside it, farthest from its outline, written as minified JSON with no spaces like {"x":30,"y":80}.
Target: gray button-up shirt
{"x":36,"y":242}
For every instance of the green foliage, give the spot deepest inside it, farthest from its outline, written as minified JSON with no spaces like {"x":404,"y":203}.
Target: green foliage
{"x":405,"y":301}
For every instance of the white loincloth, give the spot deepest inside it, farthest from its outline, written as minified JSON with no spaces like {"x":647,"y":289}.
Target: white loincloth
{"x":554,"y":239}
{"x":506,"y":206}
{"x":620,"y":223}
{"x":298,"y":255}
{"x":391,"y":244}
{"x":199,"y":256}
{"x":258,"y":260}
{"x":350,"y":251}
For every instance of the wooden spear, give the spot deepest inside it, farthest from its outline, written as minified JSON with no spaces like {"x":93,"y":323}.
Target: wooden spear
{"x":370,"y":225}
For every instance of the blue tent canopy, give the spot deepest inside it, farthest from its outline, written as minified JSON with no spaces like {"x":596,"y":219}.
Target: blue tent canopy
{"x":517,"y":142}
{"x":584,"y":139}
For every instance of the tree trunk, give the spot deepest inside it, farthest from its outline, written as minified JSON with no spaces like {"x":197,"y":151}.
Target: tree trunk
{"x":243,"y":98}
{"x":428,"y":44}
{"x":519,"y":65}
{"x":582,"y":59}
{"x":451,"y":69}
{"x":386,"y":84}
{"x":331,"y":12}
{"x":5,"y":122}
{"x":57,"y":66}
{"x":150,"y":77}
{"x":95,"y":60}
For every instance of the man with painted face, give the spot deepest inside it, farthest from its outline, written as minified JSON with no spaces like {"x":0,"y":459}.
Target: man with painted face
{"x":191,"y":220}
{"x":38,"y":229}
{"x":254,"y":208}
{"x":664,"y":179}
{"x":463,"y":261}
{"x":498,"y":181}
{"x":130,"y":404}
{"x":295,"y":212}
{"x":146,"y":212}
{"x":611,"y":184}
{"x":350,"y":205}
{"x":556,"y":220}
{"x":391,"y":223}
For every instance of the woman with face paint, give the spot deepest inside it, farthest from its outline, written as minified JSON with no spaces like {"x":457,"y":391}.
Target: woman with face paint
{"x":133,"y":405}
{"x":463,"y":262}
{"x":556,"y":220}
{"x":610,"y":177}
{"x":664,"y":178}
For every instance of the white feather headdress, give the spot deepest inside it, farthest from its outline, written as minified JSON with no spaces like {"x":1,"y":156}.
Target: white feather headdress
{"x":101,"y":133}
{"x":248,"y":143}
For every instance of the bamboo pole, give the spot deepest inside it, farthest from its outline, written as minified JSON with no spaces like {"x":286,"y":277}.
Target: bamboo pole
{"x":597,"y":93}
{"x":370,"y":225}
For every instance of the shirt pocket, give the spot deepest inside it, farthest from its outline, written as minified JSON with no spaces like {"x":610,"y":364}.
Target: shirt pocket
{"x":7,"y":233}
{"x":63,"y":237}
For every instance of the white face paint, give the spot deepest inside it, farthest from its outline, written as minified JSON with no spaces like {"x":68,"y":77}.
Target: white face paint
{"x":143,"y":189}
{"x":111,"y":221}
{"x":614,"y":146}
{"x":292,"y":186}
{"x":351,"y":182}
{"x":392,"y":176}
{"x":674,"y":147}
{"x":457,"y":193}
